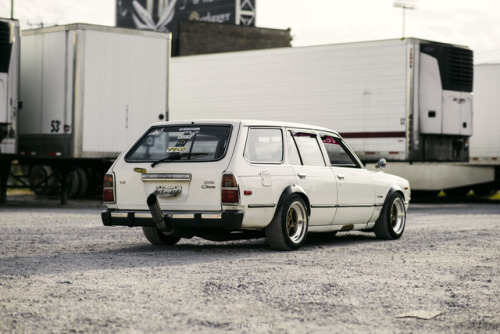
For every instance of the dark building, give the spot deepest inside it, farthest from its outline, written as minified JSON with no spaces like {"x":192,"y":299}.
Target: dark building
{"x":201,"y":26}
{"x":197,"y":37}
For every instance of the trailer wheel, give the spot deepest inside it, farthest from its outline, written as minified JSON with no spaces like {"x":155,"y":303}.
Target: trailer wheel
{"x":288,"y":229}
{"x":78,"y":183}
{"x":483,"y":190}
{"x":42,"y":180}
{"x":392,"y":221}
{"x":156,"y":237}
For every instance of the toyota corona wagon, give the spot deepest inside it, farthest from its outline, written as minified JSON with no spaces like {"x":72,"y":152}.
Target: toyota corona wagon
{"x":227,"y":180}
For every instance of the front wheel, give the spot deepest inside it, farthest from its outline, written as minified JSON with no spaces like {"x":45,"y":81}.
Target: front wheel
{"x":156,"y":237}
{"x":392,"y":221}
{"x":288,"y":229}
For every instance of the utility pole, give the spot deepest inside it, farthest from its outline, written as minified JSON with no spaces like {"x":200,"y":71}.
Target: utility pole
{"x":11,"y":9}
{"x":404,"y":4}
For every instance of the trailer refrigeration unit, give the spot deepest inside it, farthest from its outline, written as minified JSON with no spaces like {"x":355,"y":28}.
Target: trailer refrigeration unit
{"x":87,"y":91}
{"x":408,"y":100}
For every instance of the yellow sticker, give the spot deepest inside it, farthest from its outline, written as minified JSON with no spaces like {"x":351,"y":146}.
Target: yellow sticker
{"x":176,"y":149}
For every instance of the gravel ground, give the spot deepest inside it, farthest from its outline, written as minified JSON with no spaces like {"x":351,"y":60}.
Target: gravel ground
{"x":61,"y":271}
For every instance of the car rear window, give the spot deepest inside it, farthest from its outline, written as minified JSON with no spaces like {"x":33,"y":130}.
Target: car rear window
{"x":182,"y":143}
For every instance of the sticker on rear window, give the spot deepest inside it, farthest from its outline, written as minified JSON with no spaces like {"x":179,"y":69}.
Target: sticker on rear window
{"x":156,"y":132}
{"x":186,"y":136}
{"x":189,"y":129}
{"x":181,"y":143}
{"x":176,"y":149}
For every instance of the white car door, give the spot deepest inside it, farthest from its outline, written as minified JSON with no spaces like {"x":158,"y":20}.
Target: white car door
{"x":356,"y":191}
{"x":314,"y":175}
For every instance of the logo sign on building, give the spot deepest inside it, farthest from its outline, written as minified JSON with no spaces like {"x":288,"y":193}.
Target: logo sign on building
{"x":164,"y":15}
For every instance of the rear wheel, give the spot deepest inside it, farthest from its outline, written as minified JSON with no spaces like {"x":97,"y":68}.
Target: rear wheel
{"x":392,"y":220}
{"x":156,"y":237}
{"x":288,"y":229}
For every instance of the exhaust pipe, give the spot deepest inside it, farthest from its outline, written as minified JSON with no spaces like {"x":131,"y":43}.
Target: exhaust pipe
{"x":158,"y":217}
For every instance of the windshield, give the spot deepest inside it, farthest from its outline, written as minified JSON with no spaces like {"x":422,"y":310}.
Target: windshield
{"x":181,"y":143}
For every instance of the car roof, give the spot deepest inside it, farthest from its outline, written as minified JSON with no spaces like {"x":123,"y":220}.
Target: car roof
{"x":246,"y":122}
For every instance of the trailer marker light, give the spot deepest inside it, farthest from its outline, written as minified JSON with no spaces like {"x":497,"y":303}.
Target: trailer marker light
{"x":55,"y":154}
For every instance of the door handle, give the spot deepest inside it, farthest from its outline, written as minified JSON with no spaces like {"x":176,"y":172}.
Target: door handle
{"x":340,"y":177}
{"x":301,"y":175}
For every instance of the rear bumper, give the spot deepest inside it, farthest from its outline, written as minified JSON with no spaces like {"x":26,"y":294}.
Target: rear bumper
{"x":226,"y":220}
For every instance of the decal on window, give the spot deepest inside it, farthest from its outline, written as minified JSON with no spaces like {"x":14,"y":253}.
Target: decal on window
{"x":176,"y":149}
{"x":156,"y":132}
{"x":329,"y":140}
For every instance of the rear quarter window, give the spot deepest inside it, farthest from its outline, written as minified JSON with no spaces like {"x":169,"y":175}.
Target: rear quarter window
{"x":264,"y":145}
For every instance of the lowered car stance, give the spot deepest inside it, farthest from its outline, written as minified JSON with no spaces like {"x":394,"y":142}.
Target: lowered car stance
{"x":238,"y":179}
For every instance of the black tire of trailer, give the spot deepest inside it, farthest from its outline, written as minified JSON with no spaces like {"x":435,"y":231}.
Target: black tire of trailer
{"x":457,"y":192}
{"x":156,"y":237}
{"x":484,"y":190}
{"x":288,"y":229}
{"x":42,"y":180}
{"x":78,"y":183}
{"x":392,"y":221}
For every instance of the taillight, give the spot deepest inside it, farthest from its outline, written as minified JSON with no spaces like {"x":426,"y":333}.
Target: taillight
{"x":108,"y":189}
{"x":229,"y":189}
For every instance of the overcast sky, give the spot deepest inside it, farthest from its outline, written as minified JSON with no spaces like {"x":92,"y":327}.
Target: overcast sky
{"x":475,"y":23}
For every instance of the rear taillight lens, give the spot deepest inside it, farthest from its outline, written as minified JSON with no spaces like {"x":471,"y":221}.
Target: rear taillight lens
{"x":229,"y":189}
{"x":108,"y":189}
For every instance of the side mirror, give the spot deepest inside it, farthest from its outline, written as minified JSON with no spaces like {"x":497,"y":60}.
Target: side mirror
{"x":381,"y":164}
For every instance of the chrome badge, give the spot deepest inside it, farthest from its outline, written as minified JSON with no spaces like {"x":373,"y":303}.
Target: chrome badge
{"x":168,"y":191}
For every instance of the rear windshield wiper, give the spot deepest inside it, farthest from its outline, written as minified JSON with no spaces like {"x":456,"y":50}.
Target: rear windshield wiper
{"x":166,"y":159}
{"x":178,"y":157}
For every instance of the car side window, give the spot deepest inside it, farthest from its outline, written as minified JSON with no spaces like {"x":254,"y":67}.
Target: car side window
{"x":264,"y":145}
{"x":339,"y":156}
{"x":309,"y":149}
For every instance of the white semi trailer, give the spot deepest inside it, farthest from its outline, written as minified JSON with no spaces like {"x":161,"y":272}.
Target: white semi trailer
{"x":485,"y":143}
{"x":408,"y":100}
{"x":87,"y":91}
{"x":9,"y":84}
{"x":9,"y":97}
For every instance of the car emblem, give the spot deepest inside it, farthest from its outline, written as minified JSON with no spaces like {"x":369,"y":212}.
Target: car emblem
{"x":168,"y":191}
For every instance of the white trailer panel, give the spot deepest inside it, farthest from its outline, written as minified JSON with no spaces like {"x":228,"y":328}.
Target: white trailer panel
{"x":328,"y":85}
{"x":89,"y":90}
{"x":485,"y":143}
{"x":9,"y":85}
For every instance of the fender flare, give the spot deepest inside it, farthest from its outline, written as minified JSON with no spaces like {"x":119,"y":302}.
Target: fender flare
{"x":393,"y":190}
{"x":293,"y":189}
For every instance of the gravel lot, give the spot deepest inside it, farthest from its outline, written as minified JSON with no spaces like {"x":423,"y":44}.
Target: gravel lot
{"x":61,"y":271}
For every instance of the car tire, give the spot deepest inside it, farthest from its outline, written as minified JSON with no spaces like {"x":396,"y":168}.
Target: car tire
{"x":288,"y":229}
{"x":392,"y":221}
{"x":156,"y":237}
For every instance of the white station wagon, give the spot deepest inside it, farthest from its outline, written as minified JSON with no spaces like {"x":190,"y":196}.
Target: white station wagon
{"x":231,"y":179}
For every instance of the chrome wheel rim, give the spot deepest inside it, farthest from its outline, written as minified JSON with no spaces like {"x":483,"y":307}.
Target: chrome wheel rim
{"x":398,"y":216}
{"x":296,"y":222}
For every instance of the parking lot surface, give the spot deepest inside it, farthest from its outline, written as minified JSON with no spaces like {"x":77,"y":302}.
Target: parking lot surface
{"x":62,"y":271}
